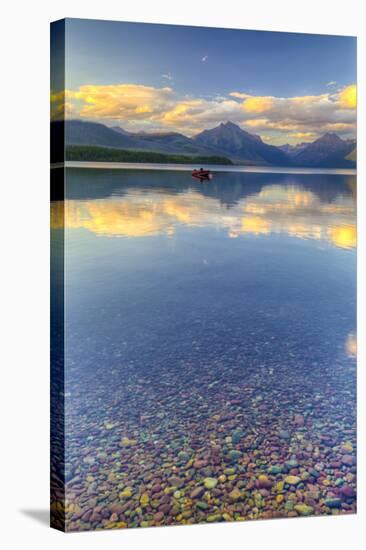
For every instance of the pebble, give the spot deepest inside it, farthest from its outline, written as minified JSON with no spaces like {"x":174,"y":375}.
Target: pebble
{"x":275,"y":470}
{"x":347,"y":491}
{"x":333,"y":502}
{"x":126,"y":493}
{"x":128,"y":442}
{"x":144,"y":500}
{"x":263,"y":482}
{"x":299,"y":419}
{"x":237,"y":436}
{"x":158,"y":516}
{"x":347,"y":447}
{"x":213,"y":518}
{"x":210,"y":482}
{"x":293,"y":463}
{"x":304,"y":509}
{"x":234,"y":455}
{"x":197,"y":492}
{"x":279,"y":486}
{"x":183,"y":456}
{"x":235,"y":495}
{"x":292,"y":480}
{"x":347,"y":460}
{"x":198,"y":464}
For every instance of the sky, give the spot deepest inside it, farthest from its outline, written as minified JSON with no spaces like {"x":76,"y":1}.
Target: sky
{"x":285,"y":87}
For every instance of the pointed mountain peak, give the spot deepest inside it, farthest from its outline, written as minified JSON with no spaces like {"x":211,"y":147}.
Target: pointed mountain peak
{"x":229,"y":128}
{"x":330,"y":137}
{"x":229,"y":124}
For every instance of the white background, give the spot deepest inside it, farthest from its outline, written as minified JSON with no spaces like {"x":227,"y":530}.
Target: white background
{"x":24,"y":272}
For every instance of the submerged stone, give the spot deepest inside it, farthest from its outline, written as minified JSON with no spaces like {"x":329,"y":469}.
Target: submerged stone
{"x":235,"y":495}
{"x":197,"y":492}
{"x":234,"y":455}
{"x":275,"y":469}
{"x":144,"y":500}
{"x":210,"y":482}
{"x":293,"y":463}
{"x":126,"y":442}
{"x":237,"y":436}
{"x":304,"y":509}
{"x":292,"y":480}
{"x":333,"y":502}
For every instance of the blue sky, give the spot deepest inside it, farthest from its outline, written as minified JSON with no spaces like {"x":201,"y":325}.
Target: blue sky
{"x":204,"y":68}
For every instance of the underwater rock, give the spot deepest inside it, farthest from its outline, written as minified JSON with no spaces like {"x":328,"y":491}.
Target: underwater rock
{"x":210,"y":482}
{"x":304,"y":509}
{"x":292,"y":480}
{"x":197,"y":492}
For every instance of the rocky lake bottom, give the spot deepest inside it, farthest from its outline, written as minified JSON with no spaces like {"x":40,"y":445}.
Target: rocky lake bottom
{"x":210,"y":358}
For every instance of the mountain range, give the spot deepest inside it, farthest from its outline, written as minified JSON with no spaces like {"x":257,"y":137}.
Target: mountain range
{"x":227,"y":139}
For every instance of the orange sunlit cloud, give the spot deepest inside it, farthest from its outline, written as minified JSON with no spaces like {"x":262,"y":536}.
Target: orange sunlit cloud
{"x":258,"y":104}
{"x":348,"y":97}
{"x":120,"y":101}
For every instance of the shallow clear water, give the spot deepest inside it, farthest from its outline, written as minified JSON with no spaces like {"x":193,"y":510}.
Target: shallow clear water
{"x":201,"y":319}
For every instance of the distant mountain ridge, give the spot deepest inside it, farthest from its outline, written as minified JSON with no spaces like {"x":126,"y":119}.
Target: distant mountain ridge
{"x":291,"y":150}
{"x":328,"y":151}
{"x":227,"y":139}
{"x":94,"y":133}
{"x":240,"y":145}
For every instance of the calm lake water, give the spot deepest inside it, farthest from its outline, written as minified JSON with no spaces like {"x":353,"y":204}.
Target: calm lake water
{"x":209,"y":345}
{"x":212,"y":167}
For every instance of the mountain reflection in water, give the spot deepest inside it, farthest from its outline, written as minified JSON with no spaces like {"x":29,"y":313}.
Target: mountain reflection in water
{"x":292,"y":208}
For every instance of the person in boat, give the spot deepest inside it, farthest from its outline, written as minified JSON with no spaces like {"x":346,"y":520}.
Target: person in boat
{"x":201,"y":174}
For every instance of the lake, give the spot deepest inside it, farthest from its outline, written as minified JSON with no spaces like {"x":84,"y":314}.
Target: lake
{"x":210,"y":346}
{"x":212,"y":167}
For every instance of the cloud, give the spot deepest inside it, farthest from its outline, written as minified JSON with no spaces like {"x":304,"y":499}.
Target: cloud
{"x":309,"y":114}
{"x":240,"y":95}
{"x":280,"y":119}
{"x":121,"y":101}
{"x":167,"y":76}
{"x":304,"y":136}
{"x":193,"y":115}
{"x":204,"y":58}
{"x":258,"y":105}
{"x":60,"y":106}
{"x":348,"y":97}
{"x":332,"y":83}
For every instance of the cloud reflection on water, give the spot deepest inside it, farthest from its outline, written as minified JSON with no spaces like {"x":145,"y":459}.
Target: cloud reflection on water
{"x":351,"y":345}
{"x":276,"y":209}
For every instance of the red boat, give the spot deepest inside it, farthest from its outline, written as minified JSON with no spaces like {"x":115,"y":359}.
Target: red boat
{"x":202,"y":174}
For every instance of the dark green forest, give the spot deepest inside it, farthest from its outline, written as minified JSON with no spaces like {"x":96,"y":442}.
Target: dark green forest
{"x":106,"y":154}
